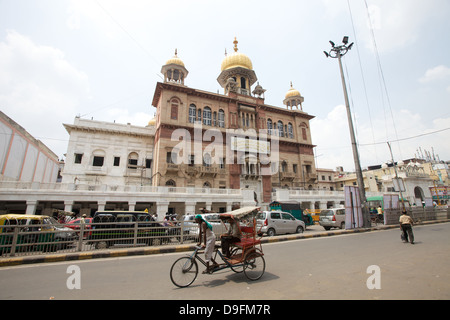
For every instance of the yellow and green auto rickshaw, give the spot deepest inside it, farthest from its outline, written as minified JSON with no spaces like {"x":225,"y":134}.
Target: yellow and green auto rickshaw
{"x":32,"y":233}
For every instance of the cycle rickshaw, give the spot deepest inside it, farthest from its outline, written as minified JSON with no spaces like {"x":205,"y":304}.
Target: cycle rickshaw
{"x":246,"y":255}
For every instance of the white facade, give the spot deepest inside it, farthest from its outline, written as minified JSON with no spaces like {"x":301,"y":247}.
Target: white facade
{"x":413,"y":181}
{"x":105,"y":153}
{"x":108,"y":167}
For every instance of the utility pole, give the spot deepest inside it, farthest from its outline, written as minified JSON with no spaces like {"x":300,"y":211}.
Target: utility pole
{"x":338,"y":52}
{"x":396,"y":176}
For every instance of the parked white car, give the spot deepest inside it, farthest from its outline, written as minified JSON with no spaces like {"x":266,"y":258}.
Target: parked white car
{"x":278,"y":222}
{"x":191,"y":227}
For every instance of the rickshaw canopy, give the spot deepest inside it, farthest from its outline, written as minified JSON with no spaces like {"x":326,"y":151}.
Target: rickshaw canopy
{"x":239,"y":213}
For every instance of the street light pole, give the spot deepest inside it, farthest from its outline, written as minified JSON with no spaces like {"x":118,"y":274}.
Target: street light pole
{"x":338,"y":52}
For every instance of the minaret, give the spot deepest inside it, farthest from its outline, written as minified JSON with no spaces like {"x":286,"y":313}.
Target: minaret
{"x":174,"y":70}
{"x":237,"y":73}
{"x":293,"y":99}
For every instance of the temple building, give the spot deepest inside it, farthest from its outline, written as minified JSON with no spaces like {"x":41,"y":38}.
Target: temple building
{"x":201,"y":150}
{"x":256,"y":146}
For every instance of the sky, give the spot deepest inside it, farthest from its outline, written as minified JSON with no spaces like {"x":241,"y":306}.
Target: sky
{"x":101,"y":60}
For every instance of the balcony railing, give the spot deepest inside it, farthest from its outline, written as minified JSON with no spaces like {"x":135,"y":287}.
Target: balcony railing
{"x":81,"y":187}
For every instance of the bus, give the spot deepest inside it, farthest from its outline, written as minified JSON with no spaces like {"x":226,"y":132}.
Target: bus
{"x":293,"y":207}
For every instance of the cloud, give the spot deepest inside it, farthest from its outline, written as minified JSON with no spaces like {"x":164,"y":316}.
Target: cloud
{"x":82,"y":12}
{"x":39,"y":88}
{"x":332,"y":137}
{"x":435,"y":74}
{"x":395,"y":24}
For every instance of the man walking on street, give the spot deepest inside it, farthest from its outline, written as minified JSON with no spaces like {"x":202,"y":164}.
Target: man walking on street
{"x":406,"y":223}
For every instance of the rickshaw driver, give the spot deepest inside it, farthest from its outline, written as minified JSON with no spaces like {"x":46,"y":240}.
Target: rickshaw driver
{"x":232,"y":236}
{"x":209,"y":239}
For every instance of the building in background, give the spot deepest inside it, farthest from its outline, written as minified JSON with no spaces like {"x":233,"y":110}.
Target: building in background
{"x":116,"y":166}
{"x":24,"y":158}
{"x":248,"y":131}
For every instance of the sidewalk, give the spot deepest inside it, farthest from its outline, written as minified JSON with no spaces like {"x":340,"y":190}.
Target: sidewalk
{"x":311,"y":232}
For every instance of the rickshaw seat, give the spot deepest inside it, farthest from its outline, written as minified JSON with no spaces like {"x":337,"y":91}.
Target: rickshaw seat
{"x":248,"y":238}
{"x":247,"y":242}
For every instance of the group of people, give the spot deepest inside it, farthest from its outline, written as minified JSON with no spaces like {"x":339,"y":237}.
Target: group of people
{"x":66,"y":218}
{"x":207,"y":236}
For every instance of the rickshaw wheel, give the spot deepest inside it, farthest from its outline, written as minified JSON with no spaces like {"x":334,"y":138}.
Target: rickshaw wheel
{"x":184,"y":272}
{"x":254,"y":265}
{"x":239,"y":267}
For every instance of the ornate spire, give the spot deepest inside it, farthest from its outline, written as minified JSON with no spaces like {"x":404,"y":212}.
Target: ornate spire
{"x":235,"y":44}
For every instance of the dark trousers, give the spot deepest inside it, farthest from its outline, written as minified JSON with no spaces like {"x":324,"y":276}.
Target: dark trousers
{"x":226,"y":241}
{"x":408,"y":233}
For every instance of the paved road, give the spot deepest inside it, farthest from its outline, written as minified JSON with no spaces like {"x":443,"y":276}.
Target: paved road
{"x":318,"y":268}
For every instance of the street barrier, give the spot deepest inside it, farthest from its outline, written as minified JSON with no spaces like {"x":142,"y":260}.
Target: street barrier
{"x":19,"y":240}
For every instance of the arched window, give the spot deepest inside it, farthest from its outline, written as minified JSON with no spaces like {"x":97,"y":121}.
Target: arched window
{"x":280,"y":128}
{"x":133,"y":160}
{"x":269,"y":126}
{"x":207,"y":116}
{"x":221,"y":118}
{"x":207,"y":185}
{"x":284,"y":166}
{"x":174,"y":103}
{"x":243,"y":83}
{"x":192,"y":113}
{"x":207,"y":160}
{"x":98,"y":158}
{"x":290,"y":130}
{"x":171,"y":183}
{"x":176,"y":75}
{"x":199,"y":115}
{"x":303,"y":127}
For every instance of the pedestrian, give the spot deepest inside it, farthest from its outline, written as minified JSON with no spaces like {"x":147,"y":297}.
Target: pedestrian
{"x":406,"y":223}
{"x":209,"y":240}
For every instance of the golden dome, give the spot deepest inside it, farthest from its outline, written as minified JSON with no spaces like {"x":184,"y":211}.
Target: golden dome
{"x":175,"y":60}
{"x":292,"y":92}
{"x":152,"y":122}
{"x":236,"y":59}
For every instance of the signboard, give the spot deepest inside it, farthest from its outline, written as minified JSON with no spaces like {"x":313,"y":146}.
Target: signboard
{"x":353,"y":210}
{"x":250,"y":145}
{"x":439,"y":193}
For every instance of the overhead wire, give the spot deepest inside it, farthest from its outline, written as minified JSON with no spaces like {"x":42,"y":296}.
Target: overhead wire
{"x":408,"y":138}
{"x":138,"y":44}
{"x":382,"y":78}
{"x":127,"y":33}
{"x":362,"y":74}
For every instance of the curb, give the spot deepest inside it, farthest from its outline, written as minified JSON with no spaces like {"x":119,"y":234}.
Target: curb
{"x":8,"y":262}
